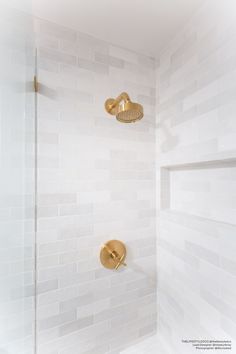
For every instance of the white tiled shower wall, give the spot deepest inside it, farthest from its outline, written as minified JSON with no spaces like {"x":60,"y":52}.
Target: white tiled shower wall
{"x":196,"y":160}
{"x":96,"y":182}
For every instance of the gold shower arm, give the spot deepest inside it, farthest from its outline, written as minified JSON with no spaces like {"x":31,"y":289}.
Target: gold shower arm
{"x":122,"y":97}
{"x":112,"y":104}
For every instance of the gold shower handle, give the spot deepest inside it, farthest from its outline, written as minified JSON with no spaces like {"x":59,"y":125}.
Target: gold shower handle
{"x":113,"y":254}
{"x":121,"y":262}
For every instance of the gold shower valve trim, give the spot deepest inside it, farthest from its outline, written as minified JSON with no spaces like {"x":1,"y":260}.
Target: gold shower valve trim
{"x":124,"y":109}
{"x":112,"y":254}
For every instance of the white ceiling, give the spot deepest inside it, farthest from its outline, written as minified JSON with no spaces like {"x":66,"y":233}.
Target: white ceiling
{"x":144,"y":26}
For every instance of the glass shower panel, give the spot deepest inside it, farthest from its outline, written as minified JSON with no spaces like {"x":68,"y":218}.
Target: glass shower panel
{"x":17,"y":183}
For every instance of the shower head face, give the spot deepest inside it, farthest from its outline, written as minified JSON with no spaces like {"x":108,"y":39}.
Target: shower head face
{"x":129,"y":112}
{"x":124,"y":109}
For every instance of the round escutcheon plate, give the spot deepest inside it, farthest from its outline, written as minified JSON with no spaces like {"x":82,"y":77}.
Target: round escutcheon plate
{"x":117,"y":248}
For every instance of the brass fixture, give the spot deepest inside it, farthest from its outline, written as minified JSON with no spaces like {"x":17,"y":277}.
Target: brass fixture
{"x":124,"y":109}
{"x":113,"y":254}
{"x":36,"y":84}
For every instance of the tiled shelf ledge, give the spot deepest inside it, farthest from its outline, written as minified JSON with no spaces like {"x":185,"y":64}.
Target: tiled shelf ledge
{"x":200,"y":189}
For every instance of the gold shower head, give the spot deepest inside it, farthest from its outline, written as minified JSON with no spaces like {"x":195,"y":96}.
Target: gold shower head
{"x":124,"y":109}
